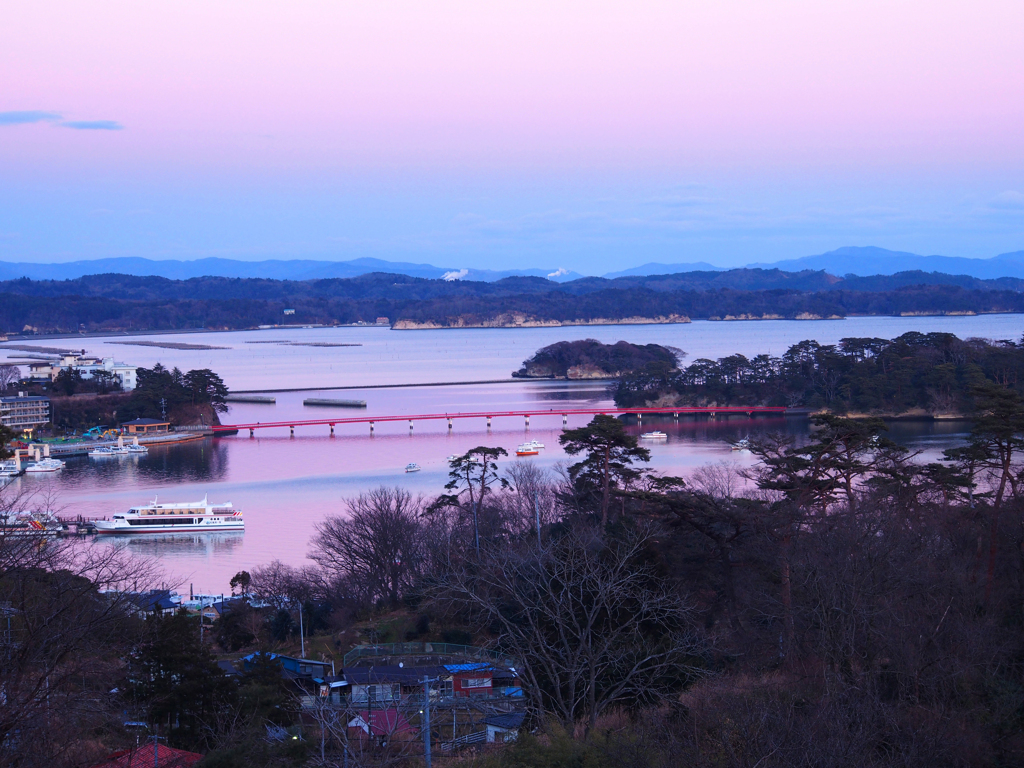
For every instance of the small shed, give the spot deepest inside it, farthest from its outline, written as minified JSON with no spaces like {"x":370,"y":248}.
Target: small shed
{"x":503,"y":727}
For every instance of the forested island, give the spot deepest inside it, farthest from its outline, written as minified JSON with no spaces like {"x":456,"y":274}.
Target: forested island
{"x":590,"y":359}
{"x":126,"y":303}
{"x":934,"y":374}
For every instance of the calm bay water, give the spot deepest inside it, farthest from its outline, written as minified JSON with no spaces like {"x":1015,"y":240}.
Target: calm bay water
{"x":285,"y":485}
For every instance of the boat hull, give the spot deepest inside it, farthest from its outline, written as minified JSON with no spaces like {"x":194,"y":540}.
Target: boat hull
{"x":151,"y":529}
{"x":108,"y":528}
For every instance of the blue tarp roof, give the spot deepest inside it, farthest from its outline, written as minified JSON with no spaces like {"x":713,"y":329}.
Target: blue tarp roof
{"x":478,"y":667}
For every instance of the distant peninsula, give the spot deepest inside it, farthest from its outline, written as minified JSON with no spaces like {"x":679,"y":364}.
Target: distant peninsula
{"x":125,"y":303}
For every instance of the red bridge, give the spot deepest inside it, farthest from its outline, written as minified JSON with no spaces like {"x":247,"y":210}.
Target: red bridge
{"x":563,"y":412}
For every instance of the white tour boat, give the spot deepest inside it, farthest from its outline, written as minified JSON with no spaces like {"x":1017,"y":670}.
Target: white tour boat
{"x":412,"y":467}
{"x":187,"y":517}
{"x":654,"y":436}
{"x":46,"y":465}
{"x":527,"y":449}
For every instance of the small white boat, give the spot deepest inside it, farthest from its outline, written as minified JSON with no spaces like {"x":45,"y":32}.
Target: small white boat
{"x":10,"y":468}
{"x":108,"y":452}
{"x":741,"y":445}
{"x":527,"y":449}
{"x":136,"y":448}
{"x":452,"y":458}
{"x":536,"y":444}
{"x":46,"y":465}
{"x":412,"y":467}
{"x":654,"y":436}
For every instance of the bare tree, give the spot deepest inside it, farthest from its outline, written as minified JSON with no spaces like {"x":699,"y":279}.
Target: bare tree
{"x":9,"y":374}
{"x":64,"y":607}
{"x":587,"y":618}
{"x":376,"y":546}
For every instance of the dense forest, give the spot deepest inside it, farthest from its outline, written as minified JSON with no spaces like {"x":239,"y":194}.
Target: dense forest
{"x":121,"y":302}
{"x":589,"y":358}
{"x":836,"y":604}
{"x":924,"y":372}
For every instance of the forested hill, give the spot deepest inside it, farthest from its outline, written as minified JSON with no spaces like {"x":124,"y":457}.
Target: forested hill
{"x":122,"y":302}
{"x":935,"y":373}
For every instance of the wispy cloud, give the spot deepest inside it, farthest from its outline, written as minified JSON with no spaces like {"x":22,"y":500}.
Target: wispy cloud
{"x":1008,"y":201}
{"x":30,"y":116}
{"x":93,"y":125}
{"x":25,"y":117}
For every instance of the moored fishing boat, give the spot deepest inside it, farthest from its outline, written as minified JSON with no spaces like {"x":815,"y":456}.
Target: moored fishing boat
{"x":188,"y":517}
{"x":46,"y":465}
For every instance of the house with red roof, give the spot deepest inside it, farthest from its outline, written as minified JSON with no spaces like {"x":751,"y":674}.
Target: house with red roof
{"x":148,"y":756}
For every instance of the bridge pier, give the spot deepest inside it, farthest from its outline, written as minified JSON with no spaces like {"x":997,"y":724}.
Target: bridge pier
{"x":332,"y":430}
{"x":488,"y":422}
{"x":371,"y":427}
{"x":252,"y":432}
{"x":527,"y":421}
{"x":449,"y":425}
{"x":410,"y":426}
{"x":292,"y":428}
{"x":565,"y":419}
{"x":675,"y":416}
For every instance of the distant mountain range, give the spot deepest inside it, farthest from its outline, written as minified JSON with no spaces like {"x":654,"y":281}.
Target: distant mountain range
{"x":860,"y":261}
{"x":879,"y":261}
{"x":274,"y":269}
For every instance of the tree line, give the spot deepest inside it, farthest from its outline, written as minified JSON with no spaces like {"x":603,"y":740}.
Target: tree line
{"x":97,"y":302}
{"x":931,"y":372}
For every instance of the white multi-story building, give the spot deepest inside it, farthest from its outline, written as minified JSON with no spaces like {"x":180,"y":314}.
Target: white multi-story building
{"x":24,"y":413}
{"x":47,"y":370}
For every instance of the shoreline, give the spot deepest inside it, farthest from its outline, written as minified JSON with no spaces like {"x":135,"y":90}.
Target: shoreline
{"x":20,"y":338}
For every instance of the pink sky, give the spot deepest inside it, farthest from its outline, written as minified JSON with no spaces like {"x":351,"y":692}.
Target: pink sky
{"x":741,"y":97}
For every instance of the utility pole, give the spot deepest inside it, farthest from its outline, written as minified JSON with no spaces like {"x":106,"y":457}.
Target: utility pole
{"x":156,"y":737}
{"x":426,"y":719}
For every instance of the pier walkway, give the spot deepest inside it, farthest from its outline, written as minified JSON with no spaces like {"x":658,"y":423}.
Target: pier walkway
{"x":565,"y":413}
